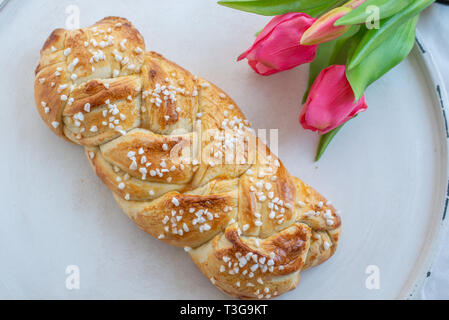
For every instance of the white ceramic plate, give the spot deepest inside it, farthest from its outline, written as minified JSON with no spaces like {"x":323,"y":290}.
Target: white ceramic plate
{"x":387,"y":170}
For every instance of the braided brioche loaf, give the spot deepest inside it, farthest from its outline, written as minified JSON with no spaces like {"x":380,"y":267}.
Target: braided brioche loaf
{"x":247,"y":224}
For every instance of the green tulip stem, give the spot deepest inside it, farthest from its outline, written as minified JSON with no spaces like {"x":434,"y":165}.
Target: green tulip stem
{"x":325,"y":140}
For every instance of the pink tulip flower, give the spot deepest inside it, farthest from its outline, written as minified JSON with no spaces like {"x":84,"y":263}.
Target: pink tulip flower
{"x":278,"y":48}
{"x":323,"y":30}
{"x":330,"y":102}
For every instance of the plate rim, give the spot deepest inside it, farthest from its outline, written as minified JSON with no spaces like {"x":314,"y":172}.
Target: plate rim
{"x":433,"y":75}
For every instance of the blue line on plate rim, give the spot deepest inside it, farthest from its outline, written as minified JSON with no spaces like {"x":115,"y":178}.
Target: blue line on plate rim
{"x":445,"y":209}
{"x":420,"y":46}
{"x":443,"y":109}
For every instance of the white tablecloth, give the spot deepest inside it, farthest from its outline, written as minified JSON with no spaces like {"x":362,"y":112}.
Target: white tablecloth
{"x":434,"y":26}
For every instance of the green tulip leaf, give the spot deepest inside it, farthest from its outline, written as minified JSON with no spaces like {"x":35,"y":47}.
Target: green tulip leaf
{"x":375,"y":37}
{"x":395,"y":48}
{"x":362,"y":14}
{"x":277,"y":7}
{"x":319,"y":11}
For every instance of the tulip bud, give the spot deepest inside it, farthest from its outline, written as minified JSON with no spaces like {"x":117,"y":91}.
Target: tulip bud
{"x":323,"y":30}
{"x":277,"y":47}
{"x":330,"y":102}
{"x":354,"y":3}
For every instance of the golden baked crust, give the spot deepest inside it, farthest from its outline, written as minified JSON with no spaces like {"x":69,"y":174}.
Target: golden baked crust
{"x":182,"y":160}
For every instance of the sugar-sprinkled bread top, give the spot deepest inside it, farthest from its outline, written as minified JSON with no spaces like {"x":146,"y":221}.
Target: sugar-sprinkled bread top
{"x":247,"y":223}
